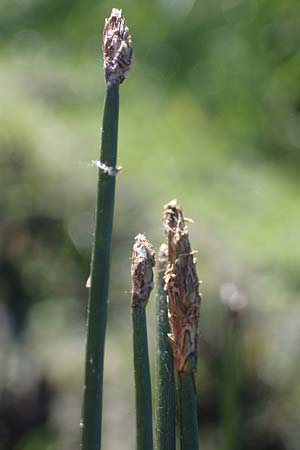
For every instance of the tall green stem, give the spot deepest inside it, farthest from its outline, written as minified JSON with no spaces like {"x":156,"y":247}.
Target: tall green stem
{"x":117,"y":52}
{"x":98,"y":293}
{"x":142,"y":284}
{"x":164,"y":392}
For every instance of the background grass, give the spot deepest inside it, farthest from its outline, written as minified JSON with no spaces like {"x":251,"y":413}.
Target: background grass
{"x":210,"y":115}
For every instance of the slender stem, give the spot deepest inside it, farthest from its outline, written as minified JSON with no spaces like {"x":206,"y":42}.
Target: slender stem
{"x":165,"y":395}
{"x":188,"y":412}
{"x":117,"y":53}
{"x":143,"y":395}
{"x":230,"y":384}
{"x":98,"y":293}
{"x":143,"y":261}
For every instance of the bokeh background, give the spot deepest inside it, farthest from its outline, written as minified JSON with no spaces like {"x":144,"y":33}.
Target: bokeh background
{"x":209,"y":115}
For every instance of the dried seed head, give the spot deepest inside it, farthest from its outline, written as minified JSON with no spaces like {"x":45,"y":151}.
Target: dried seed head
{"x":182,"y":286}
{"x":143,"y":261}
{"x":117,"y":48}
{"x":176,"y":230}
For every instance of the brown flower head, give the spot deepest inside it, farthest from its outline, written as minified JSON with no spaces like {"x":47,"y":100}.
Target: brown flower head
{"x":117,"y":47}
{"x":143,"y":261}
{"x":182,"y":286}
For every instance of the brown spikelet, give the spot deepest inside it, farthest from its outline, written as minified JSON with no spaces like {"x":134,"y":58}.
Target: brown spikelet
{"x":117,"y":47}
{"x":182,"y":286}
{"x":143,"y":261}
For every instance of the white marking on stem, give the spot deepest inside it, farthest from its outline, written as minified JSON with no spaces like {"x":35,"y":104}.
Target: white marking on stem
{"x":111,"y":171}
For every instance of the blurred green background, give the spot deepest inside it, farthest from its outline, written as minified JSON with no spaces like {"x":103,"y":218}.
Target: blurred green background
{"x":209,"y":115}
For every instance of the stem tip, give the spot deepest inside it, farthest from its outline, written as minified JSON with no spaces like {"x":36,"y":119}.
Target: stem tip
{"x":117,"y":47}
{"x":143,"y":261}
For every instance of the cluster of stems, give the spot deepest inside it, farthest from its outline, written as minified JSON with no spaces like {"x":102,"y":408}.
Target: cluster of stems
{"x":177,"y":320}
{"x":178,"y":299}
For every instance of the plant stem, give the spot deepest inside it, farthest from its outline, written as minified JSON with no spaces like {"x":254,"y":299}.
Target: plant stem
{"x":184,"y":299}
{"x":165,"y":395}
{"x":188,"y":412}
{"x":230,"y":383}
{"x":98,"y":293}
{"x":142,"y":283}
{"x":117,"y":51}
{"x":143,"y":395}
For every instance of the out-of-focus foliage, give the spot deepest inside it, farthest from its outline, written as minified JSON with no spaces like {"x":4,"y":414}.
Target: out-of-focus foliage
{"x":210,"y":115}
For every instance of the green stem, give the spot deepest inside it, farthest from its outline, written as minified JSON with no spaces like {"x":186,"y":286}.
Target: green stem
{"x":230,"y":385}
{"x":98,"y":294}
{"x":165,"y":395}
{"x":144,"y":433}
{"x":188,"y":412}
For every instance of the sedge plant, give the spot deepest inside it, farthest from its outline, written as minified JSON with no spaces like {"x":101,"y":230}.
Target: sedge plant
{"x":178,"y":303}
{"x":143,"y":261}
{"x":182,"y":286}
{"x":117,"y":53}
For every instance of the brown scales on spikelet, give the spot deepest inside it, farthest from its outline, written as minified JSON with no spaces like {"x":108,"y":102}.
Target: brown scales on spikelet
{"x":182,"y":286}
{"x":117,"y":47}
{"x":143,"y":261}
